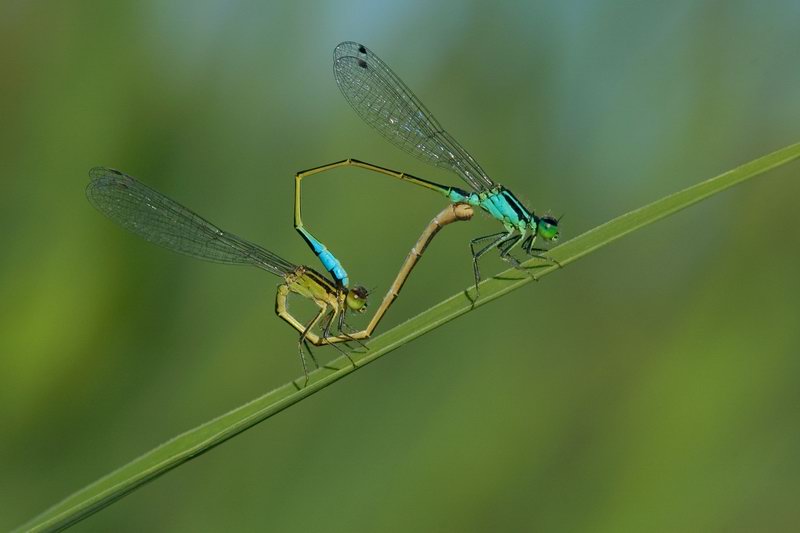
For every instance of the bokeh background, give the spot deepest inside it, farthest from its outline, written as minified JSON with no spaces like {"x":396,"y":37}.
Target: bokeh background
{"x":651,"y":386}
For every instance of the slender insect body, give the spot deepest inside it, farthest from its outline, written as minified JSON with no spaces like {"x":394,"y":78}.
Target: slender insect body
{"x":331,"y":264}
{"x":163,"y":221}
{"x":385,"y":103}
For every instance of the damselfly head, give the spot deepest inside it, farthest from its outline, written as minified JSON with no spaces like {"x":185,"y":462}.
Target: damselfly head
{"x":547,"y":228}
{"x":357,"y":299}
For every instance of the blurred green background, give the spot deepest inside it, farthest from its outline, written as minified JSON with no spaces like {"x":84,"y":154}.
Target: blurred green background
{"x":650,"y":387}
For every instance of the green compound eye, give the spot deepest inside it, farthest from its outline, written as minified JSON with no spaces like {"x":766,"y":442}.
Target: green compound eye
{"x":548,"y":228}
{"x":357,"y":299}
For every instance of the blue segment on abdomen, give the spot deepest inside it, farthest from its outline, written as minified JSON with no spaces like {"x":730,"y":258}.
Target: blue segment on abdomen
{"x":327,"y":259}
{"x":457,"y":195}
{"x":333,"y":266}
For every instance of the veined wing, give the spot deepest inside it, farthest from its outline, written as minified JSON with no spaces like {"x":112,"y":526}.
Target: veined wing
{"x":389,"y":106}
{"x":163,"y":221}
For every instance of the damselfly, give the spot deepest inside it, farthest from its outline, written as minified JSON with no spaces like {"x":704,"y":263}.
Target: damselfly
{"x":384,"y":102}
{"x":163,"y":221}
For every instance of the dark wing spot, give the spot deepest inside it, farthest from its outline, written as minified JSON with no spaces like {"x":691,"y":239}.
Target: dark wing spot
{"x":362,"y":63}
{"x":362,"y":49}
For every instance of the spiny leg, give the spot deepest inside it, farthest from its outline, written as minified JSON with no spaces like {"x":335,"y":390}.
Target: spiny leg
{"x":472,"y":243}
{"x":340,"y":324}
{"x":326,"y":332}
{"x":281,"y":309}
{"x":528,"y":242}
{"x":320,"y":342}
{"x":304,"y":335}
{"x":531,"y":251}
{"x":340,"y":350}
{"x":506,"y":243}
{"x":499,"y":238}
{"x":506,"y":255}
{"x":545,"y":257}
{"x":346,"y":331}
{"x":506,"y":247}
{"x":477,"y":240}
{"x":330,"y":316}
{"x":311,"y":352}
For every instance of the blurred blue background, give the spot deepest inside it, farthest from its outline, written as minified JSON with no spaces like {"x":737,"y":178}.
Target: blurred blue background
{"x":651,"y":386}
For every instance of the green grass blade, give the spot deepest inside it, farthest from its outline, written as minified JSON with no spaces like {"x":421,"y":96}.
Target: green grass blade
{"x":201,"y":439}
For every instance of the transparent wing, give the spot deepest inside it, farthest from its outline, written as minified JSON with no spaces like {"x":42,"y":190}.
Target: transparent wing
{"x":386,"y":104}
{"x":160,"y":220}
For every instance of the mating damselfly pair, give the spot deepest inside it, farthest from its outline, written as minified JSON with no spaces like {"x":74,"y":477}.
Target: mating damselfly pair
{"x":385,"y":103}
